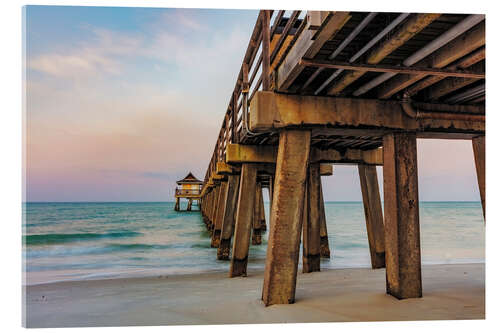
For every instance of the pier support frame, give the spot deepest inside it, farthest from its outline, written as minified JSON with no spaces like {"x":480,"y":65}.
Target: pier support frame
{"x":177,"y":204}
{"x":311,"y":224}
{"x":402,"y":230}
{"x":263,"y":226}
{"x":256,"y":228}
{"x":280,"y":274}
{"x":233,"y":182}
{"x":219,"y":215}
{"x":479,"y":148}
{"x":244,"y":220}
{"x":323,"y":230}
{"x":373,"y":214}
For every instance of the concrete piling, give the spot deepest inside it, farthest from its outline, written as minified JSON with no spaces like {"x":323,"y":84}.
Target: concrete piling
{"x":402,"y":229}
{"x":280,"y":275}
{"x":373,"y":214}
{"x":244,"y":220}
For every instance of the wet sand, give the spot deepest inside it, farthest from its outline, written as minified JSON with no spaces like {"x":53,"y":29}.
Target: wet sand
{"x":340,"y":295}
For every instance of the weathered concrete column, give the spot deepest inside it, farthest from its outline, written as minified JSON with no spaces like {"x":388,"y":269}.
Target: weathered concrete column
{"x":323,"y":230}
{"x":271,"y":188}
{"x":479,"y":147}
{"x":373,"y":214}
{"x":402,"y":229}
{"x":244,"y":220}
{"x":256,"y":227}
{"x":311,"y":224}
{"x":177,"y":204}
{"x":215,"y":203}
{"x":233,"y":182}
{"x":221,"y":202}
{"x":280,"y":275}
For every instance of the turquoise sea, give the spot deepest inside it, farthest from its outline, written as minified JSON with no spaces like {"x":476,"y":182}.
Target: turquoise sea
{"x":73,"y":241}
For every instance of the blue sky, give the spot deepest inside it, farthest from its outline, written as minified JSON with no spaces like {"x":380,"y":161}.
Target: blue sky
{"x":121,"y":102}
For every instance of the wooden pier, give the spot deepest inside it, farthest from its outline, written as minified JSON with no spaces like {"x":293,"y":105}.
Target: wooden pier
{"x":323,"y":88}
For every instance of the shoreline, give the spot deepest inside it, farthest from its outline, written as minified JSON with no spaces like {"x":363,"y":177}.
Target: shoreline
{"x":451,"y":291}
{"x":153,"y":274}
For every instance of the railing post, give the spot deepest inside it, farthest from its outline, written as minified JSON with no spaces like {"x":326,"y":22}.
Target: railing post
{"x":266,"y":84}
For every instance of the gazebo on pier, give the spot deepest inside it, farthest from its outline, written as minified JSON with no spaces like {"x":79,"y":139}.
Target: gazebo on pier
{"x":189,"y":188}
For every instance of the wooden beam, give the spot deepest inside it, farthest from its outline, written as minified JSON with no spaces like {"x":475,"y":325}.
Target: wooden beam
{"x":244,"y":218}
{"x":228,"y":221}
{"x":223,"y":168}
{"x":256,"y":230}
{"x":373,"y":214}
{"x":270,"y":111}
{"x":267,"y":155}
{"x":219,"y":216}
{"x":349,"y":156}
{"x":236,"y":153}
{"x":393,"y":69}
{"x":454,"y":50}
{"x":266,"y":40}
{"x":449,"y":85}
{"x":323,"y":231}
{"x":325,"y":169}
{"x":401,"y":216}
{"x":409,"y":29}
{"x":308,"y":45}
{"x":479,"y":148}
{"x":280,"y":275}
{"x":311,"y":222}
{"x":466,"y":62}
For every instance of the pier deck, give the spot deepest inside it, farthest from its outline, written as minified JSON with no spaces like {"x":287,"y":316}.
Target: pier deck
{"x":321,"y":88}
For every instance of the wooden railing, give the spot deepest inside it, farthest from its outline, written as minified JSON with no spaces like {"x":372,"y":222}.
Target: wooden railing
{"x":180,"y":191}
{"x":235,"y":123}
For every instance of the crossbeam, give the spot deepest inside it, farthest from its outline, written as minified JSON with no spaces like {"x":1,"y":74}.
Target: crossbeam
{"x":393,"y":69}
{"x":270,"y":111}
{"x":237,"y":153}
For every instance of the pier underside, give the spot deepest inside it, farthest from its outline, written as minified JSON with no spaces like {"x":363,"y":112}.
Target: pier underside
{"x":340,"y":88}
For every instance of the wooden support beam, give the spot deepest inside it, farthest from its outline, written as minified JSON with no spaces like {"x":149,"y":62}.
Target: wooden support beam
{"x":311,"y":222}
{"x":323,"y":231}
{"x":268,"y":155}
{"x":449,"y":85}
{"x":308,"y":45}
{"x":409,"y":29}
{"x":177,"y":204}
{"x":237,"y":153}
{"x":266,"y":40}
{"x":479,"y":148}
{"x":466,"y":62}
{"x":244,"y":219}
{"x":401,"y":216}
{"x":228,"y":221}
{"x":219,"y":216}
{"x":325,"y":169}
{"x":413,"y":70}
{"x":226,"y":169}
{"x":215,"y":206}
{"x":454,"y":50}
{"x":270,"y":111}
{"x":373,"y":214}
{"x":280,"y":274}
{"x":256,"y":231}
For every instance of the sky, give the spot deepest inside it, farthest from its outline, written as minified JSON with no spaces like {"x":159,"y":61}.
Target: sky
{"x":122,"y":102}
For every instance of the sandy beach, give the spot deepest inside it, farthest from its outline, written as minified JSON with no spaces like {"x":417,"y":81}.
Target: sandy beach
{"x":342,"y":295}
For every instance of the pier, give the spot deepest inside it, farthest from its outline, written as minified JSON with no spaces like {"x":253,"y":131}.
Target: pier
{"x":317,"y":89}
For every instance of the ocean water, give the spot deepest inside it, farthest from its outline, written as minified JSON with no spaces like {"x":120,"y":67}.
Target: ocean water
{"x":73,"y":241}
